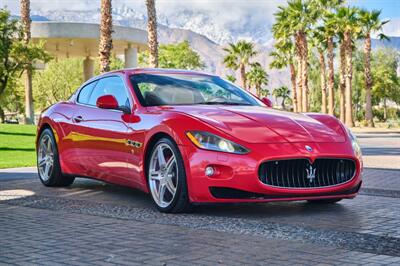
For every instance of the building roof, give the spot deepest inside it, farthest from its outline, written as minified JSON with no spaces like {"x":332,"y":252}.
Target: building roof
{"x":72,"y":39}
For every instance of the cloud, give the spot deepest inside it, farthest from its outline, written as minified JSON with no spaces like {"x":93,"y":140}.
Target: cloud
{"x":50,"y":5}
{"x":223,"y":12}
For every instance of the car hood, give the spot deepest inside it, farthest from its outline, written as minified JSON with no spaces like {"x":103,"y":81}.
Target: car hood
{"x":256,"y":124}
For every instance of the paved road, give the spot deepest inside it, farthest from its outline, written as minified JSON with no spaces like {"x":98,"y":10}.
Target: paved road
{"x":96,"y":223}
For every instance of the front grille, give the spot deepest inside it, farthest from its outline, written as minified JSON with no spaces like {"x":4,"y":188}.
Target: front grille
{"x":300,"y":173}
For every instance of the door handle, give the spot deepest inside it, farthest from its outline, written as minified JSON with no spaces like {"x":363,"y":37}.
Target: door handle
{"x":78,"y":119}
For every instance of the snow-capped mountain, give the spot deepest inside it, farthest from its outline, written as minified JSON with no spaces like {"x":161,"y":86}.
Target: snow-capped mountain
{"x":202,"y":29}
{"x":197,"y":21}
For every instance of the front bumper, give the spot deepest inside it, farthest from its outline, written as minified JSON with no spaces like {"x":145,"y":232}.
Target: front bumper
{"x":237,"y":175}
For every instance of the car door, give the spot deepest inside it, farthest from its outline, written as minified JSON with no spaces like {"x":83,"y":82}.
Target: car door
{"x":101,"y":135}
{"x":70,"y":145}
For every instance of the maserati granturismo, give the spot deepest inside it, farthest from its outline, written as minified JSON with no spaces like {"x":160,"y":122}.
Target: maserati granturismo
{"x":189,"y":138}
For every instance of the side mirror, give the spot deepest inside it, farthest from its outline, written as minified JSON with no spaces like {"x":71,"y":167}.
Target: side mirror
{"x":107,"y":102}
{"x":110,"y":102}
{"x":267,"y":102}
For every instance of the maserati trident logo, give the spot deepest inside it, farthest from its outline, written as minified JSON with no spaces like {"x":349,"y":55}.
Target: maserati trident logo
{"x":311,"y":173}
{"x":308,"y":148}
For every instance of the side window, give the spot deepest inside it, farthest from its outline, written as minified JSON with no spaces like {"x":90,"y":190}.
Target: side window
{"x":111,"y":85}
{"x":85,"y":92}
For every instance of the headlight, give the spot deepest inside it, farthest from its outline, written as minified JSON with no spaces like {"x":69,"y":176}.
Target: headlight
{"x":354,"y":143}
{"x":208,"y":141}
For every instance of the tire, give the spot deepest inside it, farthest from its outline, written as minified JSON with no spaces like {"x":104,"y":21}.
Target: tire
{"x":324,"y":201}
{"x":48,"y":163}
{"x":179,"y":201}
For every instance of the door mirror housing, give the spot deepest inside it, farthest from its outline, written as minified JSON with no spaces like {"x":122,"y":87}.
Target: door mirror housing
{"x":110,"y":102}
{"x":107,"y":102}
{"x":267,"y":102}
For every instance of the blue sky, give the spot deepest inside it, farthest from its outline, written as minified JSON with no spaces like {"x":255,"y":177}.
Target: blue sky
{"x":390,"y":8}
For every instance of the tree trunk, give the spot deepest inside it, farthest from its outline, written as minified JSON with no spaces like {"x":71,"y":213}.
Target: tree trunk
{"x":243,"y":76}
{"x":384,"y":109}
{"x":293,"y":79}
{"x":26,"y":24}
{"x":152,"y":32}
{"x":304,"y":72}
{"x":331,"y":78}
{"x":299,"y":74}
{"x":26,"y":19}
{"x":323,"y":81}
{"x":105,"y":45}
{"x":368,"y":82}
{"x":341,"y":80}
{"x":29,"y":112}
{"x":258,"y":91}
{"x":2,"y":116}
{"x":348,"y":77}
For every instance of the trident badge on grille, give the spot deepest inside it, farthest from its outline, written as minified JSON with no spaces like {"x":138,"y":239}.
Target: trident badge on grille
{"x":311,"y":173}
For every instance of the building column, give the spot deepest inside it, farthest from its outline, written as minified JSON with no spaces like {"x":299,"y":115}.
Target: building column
{"x":88,"y":68}
{"x":131,"y":60}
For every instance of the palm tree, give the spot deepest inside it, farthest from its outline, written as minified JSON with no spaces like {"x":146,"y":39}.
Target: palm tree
{"x":370,"y":22}
{"x":26,"y":24}
{"x":348,"y":19}
{"x":328,"y":28}
{"x":342,"y":85}
{"x":330,"y":32}
{"x":105,"y":45}
{"x":284,"y":55}
{"x":257,"y":77}
{"x":152,"y":32}
{"x":296,"y":19}
{"x":319,"y":42}
{"x":282,"y":92}
{"x":239,"y":56}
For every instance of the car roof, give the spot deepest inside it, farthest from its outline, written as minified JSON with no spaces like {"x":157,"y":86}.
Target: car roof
{"x":133,"y":71}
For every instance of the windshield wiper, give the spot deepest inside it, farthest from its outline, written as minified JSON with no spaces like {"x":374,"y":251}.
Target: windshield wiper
{"x":224,"y":103}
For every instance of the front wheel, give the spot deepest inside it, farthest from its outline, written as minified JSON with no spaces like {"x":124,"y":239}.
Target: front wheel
{"x":167,"y":178}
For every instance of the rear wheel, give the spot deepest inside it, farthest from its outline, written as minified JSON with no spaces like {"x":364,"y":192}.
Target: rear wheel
{"x":167,"y":178}
{"x":48,"y":163}
{"x":324,"y":201}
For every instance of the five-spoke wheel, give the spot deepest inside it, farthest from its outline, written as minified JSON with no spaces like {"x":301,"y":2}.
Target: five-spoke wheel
{"x":167,"y":178}
{"x":163,"y":175}
{"x":45,"y":157}
{"x":48,"y":161}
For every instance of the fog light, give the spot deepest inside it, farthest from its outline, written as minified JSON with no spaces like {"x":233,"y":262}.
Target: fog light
{"x":209,"y":171}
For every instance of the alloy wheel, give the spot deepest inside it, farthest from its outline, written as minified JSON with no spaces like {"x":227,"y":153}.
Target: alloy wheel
{"x":163,"y":175}
{"x":45,"y":157}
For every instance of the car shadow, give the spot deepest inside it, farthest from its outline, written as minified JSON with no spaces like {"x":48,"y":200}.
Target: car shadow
{"x":17,"y":134}
{"x":99,"y":192}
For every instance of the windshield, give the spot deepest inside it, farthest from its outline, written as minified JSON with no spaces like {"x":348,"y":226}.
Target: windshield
{"x":188,"y":89}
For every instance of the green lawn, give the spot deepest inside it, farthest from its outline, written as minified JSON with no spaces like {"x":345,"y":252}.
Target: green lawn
{"x":17,"y":145}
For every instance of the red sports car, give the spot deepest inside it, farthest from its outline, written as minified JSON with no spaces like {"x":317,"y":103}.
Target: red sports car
{"x":188,"y":137}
